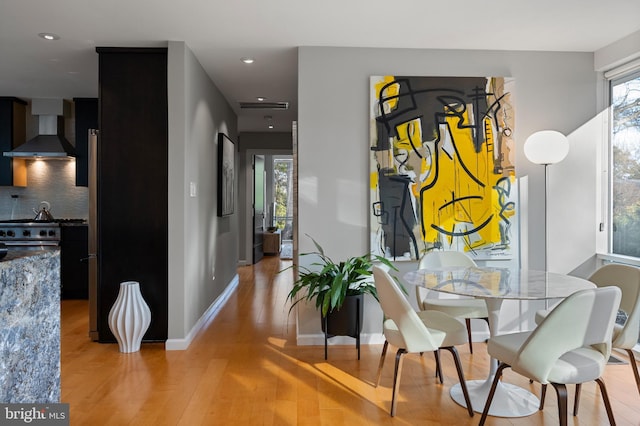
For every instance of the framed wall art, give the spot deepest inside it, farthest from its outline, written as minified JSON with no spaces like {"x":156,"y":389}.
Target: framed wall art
{"x":442,"y":166}
{"x":226,"y":175}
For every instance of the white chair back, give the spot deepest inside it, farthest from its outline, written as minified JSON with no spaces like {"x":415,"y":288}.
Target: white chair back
{"x":437,"y":259}
{"x":396,"y":307}
{"x":627,"y":278}
{"x":585,"y":318}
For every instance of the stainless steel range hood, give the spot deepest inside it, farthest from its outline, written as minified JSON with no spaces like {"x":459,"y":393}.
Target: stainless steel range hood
{"x":50,"y":142}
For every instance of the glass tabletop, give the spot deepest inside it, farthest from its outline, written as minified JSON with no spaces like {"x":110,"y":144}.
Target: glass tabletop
{"x":493,"y":282}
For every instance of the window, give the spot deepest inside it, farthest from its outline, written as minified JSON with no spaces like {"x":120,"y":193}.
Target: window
{"x":624,"y":207}
{"x":625,"y":170}
{"x":283,"y":196}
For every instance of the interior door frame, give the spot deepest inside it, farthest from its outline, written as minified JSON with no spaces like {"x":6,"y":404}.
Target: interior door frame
{"x":258,"y":211}
{"x":246,"y":198}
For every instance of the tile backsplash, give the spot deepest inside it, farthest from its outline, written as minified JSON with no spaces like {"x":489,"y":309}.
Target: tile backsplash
{"x":47,"y":180}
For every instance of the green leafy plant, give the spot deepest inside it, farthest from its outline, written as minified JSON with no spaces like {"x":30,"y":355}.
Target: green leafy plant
{"x":328,"y":283}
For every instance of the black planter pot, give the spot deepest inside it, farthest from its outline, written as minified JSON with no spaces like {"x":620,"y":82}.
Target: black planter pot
{"x":346,"y":321}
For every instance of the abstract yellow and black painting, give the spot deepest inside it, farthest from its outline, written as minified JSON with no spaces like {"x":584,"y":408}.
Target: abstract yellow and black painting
{"x":442,"y":168}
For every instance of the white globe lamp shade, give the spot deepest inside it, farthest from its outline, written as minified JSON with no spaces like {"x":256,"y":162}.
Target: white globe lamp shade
{"x":546,"y":147}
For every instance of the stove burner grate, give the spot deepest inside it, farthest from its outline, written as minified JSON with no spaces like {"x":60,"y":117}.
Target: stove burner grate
{"x":42,"y":221}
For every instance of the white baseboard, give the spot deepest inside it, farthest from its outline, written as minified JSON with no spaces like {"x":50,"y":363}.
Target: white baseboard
{"x":318,"y":339}
{"x":365,"y":339}
{"x":210,"y":313}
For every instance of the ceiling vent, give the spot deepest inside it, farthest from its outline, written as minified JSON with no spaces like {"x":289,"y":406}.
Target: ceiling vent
{"x":264,"y":105}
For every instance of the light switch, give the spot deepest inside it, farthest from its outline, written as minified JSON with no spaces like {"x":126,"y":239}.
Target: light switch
{"x":193,"y":189}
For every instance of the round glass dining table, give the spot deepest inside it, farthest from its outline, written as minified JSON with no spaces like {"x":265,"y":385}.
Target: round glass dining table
{"x":495,"y":285}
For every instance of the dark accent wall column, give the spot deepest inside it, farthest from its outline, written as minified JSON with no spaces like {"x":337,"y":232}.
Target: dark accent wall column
{"x":133,"y":182}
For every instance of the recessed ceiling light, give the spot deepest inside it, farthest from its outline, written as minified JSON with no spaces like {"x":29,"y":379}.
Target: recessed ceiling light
{"x":49,"y":36}
{"x":271,"y":126}
{"x":261,"y":99}
{"x":247,"y":60}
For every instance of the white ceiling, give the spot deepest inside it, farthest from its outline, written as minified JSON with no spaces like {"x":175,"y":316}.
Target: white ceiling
{"x":221,"y":32}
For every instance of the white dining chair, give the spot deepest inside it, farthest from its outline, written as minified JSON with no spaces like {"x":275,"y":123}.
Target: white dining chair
{"x":625,"y":336}
{"x":413,"y":332}
{"x":466,"y":308}
{"x":570,"y":346}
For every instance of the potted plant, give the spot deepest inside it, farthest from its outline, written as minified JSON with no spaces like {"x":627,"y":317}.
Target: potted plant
{"x":337,"y":289}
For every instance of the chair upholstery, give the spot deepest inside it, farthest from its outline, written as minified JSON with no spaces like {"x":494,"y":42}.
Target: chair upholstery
{"x":414,"y":332}
{"x":466,"y":308}
{"x":570,"y":346}
{"x":625,"y":336}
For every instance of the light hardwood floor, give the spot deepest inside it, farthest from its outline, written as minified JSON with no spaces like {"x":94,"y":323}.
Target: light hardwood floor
{"x":245,"y":369}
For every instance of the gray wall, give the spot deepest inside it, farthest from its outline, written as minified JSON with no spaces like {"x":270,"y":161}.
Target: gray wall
{"x":553,"y":91}
{"x":203,"y":248}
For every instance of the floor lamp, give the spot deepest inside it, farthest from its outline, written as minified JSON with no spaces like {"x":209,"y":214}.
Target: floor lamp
{"x":546,"y":147}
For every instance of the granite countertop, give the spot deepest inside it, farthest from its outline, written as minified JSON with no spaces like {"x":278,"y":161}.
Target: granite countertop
{"x":19,"y":254}
{"x":30,"y":327}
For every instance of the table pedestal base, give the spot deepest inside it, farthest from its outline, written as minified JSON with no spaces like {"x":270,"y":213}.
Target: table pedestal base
{"x":508,"y":401}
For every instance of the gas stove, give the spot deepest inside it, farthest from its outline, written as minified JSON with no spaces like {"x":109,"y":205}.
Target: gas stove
{"x":27,"y":233}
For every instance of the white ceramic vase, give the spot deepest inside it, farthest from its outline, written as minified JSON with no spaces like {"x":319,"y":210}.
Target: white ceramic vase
{"x":129,"y":317}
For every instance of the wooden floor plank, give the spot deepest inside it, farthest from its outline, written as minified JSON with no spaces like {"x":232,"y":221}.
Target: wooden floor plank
{"x":244,"y":368}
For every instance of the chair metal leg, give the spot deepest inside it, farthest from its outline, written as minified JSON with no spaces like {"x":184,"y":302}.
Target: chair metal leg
{"x":492,"y":391}
{"x":605,"y":399}
{"x":632,"y":361}
{"x":396,"y":379}
{"x":468,"y":323}
{"x":561,"y":391}
{"x":382,"y":356}
{"x":436,"y":354}
{"x":463,"y":384}
{"x":543,"y":394}
{"x":576,"y":400}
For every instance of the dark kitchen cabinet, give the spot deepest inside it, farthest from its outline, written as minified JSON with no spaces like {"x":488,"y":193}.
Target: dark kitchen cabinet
{"x":74,"y":269}
{"x":13,"y":132}
{"x":86,"y":115}
{"x":132,"y":200}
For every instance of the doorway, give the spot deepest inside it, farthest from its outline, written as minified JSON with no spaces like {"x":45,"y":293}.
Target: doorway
{"x":267,"y":208}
